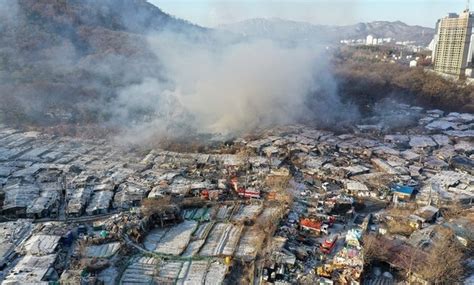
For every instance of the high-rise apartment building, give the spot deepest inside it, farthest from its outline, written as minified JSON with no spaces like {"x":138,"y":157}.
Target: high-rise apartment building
{"x":453,"y":49}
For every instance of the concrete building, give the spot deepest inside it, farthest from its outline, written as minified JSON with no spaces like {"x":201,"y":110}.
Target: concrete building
{"x":432,"y":44}
{"x":369,"y":40}
{"x":453,"y":47}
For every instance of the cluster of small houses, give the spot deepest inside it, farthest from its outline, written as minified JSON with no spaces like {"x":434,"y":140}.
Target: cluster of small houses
{"x":48,"y":177}
{"x":425,"y":168}
{"x":49,"y":185}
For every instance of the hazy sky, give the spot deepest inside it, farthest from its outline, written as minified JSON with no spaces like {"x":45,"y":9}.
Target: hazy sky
{"x":211,"y":13}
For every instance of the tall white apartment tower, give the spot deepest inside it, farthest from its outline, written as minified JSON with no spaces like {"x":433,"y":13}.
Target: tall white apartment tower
{"x":453,"y":44}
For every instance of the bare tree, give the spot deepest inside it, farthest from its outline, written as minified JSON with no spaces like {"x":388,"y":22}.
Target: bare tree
{"x":374,"y":248}
{"x":452,"y":211}
{"x":444,"y":263}
{"x":152,"y":206}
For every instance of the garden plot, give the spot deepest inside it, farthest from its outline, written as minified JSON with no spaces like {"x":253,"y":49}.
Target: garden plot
{"x":199,"y":214}
{"x":230,"y":243}
{"x":42,"y":244}
{"x":216,"y":273}
{"x":176,"y":239}
{"x":153,"y":237}
{"x":103,"y":251}
{"x":224,"y":212}
{"x":202,"y":231}
{"x":198,"y":239}
{"x":249,"y":212}
{"x":249,"y":244}
{"x":169,"y":271}
{"x":193,"y":248}
{"x":222,"y":240}
{"x":142,"y":270}
{"x":193,"y":272}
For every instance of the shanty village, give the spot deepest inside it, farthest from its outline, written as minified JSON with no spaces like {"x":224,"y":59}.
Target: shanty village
{"x":288,"y":205}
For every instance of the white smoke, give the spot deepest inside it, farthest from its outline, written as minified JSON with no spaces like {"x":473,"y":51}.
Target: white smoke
{"x":231,"y":88}
{"x":8,"y":10}
{"x":181,"y":81}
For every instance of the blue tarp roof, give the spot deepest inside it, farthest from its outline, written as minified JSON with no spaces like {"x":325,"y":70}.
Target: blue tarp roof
{"x":403,"y":189}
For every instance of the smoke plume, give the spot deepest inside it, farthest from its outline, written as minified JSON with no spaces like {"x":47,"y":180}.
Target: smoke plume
{"x":231,"y":88}
{"x":126,"y":65}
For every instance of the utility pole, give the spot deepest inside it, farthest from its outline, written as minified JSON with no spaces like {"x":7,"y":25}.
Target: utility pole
{"x":429,"y":197}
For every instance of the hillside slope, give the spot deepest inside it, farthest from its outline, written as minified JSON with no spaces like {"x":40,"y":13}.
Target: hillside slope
{"x":64,"y":58}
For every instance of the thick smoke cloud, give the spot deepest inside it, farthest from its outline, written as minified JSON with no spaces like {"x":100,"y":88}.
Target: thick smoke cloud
{"x":231,"y":88}
{"x":150,"y":83}
{"x":8,"y":10}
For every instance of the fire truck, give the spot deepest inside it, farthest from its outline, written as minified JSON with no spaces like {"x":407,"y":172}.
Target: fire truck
{"x":328,"y":245}
{"x":249,"y":193}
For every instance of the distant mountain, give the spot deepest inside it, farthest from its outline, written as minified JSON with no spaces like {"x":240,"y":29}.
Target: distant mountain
{"x":395,"y":30}
{"x":280,"y":29}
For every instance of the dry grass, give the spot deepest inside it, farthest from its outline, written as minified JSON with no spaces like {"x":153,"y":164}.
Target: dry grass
{"x":400,"y":212}
{"x":373,"y":249}
{"x":279,"y":185}
{"x":444,"y":263}
{"x":399,"y":227}
{"x":453,"y":211}
{"x":152,"y":206}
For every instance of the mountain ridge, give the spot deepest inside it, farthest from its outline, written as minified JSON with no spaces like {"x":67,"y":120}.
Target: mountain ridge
{"x":280,"y":29}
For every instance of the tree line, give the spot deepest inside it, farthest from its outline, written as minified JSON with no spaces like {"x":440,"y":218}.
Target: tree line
{"x":363,"y":79}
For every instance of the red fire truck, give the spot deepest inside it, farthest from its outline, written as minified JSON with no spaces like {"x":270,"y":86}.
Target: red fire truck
{"x":328,"y":245}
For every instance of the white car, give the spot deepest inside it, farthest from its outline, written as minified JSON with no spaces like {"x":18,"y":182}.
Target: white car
{"x":325,"y":186}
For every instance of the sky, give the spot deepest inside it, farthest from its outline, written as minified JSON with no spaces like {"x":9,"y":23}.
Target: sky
{"x":212,"y":13}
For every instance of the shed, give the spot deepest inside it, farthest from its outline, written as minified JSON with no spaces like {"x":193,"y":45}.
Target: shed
{"x":42,"y":244}
{"x":403,"y":191}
